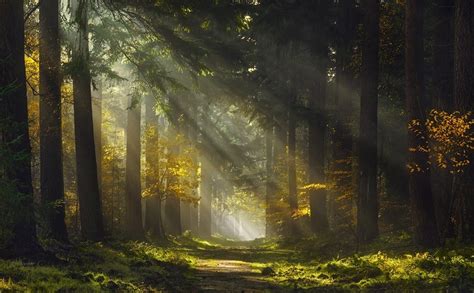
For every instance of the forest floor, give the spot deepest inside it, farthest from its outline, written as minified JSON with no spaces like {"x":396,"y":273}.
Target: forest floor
{"x":187,"y":264}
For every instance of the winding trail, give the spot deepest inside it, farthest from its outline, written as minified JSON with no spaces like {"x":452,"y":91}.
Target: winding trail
{"x":235,"y":269}
{"x":230,"y":276}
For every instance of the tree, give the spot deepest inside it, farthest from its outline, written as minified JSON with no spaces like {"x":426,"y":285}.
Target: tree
{"x":269,"y":184}
{"x":153,"y":220}
{"x":426,"y":233}
{"x":317,"y":123}
{"x":292,"y":192}
{"x":133,"y":193}
{"x":14,"y":131}
{"x":464,"y":102}
{"x":205,"y":212}
{"x":367,"y":202}
{"x":52,"y":185}
{"x":86,"y":164}
{"x":97,"y":97}
{"x":193,"y":136}
{"x":291,"y":155}
{"x":342,"y":142}
{"x":443,"y":70}
{"x":173,"y":202}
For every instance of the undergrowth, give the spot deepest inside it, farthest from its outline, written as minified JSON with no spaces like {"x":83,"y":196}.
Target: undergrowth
{"x":391,"y":263}
{"x":98,"y":267}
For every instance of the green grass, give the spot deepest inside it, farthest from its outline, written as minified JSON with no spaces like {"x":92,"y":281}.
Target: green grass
{"x":390,"y":263}
{"x":100,"y":267}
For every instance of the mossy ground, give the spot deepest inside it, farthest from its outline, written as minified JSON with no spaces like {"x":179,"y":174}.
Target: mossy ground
{"x":187,"y":264}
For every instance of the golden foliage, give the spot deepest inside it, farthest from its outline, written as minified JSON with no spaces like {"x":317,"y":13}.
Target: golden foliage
{"x":449,"y":140}
{"x":452,"y":139}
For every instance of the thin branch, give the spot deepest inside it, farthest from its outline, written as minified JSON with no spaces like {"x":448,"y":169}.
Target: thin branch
{"x":36,"y":93}
{"x":32,"y":10}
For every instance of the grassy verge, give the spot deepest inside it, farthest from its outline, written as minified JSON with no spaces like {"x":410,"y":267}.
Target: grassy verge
{"x":391,"y":263}
{"x":100,"y":267}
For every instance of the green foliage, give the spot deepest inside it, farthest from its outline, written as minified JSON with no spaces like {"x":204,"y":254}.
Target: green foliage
{"x":10,"y":199}
{"x":382,"y":271}
{"x":99,"y":267}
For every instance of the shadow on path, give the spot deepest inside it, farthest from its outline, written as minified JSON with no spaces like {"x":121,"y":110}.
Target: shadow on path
{"x":218,"y":275}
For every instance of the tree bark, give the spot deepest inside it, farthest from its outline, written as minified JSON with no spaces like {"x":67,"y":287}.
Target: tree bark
{"x":133,"y":191}
{"x":13,"y":113}
{"x":443,"y":54}
{"x":51,"y":163}
{"x":205,"y":212}
{"x":153,"y":220}
{"x":464,"y":102}
{"x":97,"y":121}
{"x":173,"y":223}
{"x":426,"y":233}
{"x":367,"y":203}
{"x":342,"y":137}
{"x":292,"y":194}
{"x":317,"y":124}
{"x":270,"y":229}
{"x":193,"y":136}
{"x":443,"y":70}
{"x":86,"y":164}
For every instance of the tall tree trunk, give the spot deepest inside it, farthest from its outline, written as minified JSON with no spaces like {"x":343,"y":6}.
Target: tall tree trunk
{"x":443,"y":54}
{"x":367,"y":203}
{"x":270,"y":228}
{"x":14,"y":120}
{"x":426,"y":232}
{"x":316,"y":153}
{"x":97,"y":121}
{"x":86,"y":164}
{"x":185,"y":211}
{"x":193,"y":136}
{"x":280,"y":138}
{"x":342,"y":137}
{"x":133,"y":191}
{"x":205,"y":212}
{"x":464,"y":102}
{"x":291,"y":224}
{"x":51,"y":163}
{"x":317,"y":125}
{"x":292,"y":195}
{"x":153,"y":220}
{"x":173,"y":202}
{"x":443,"y":70}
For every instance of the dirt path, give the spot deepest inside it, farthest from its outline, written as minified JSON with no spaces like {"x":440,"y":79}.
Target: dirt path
{"x":222,"y":275}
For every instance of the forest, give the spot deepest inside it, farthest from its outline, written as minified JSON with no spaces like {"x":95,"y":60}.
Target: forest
{"x":237,"y":145}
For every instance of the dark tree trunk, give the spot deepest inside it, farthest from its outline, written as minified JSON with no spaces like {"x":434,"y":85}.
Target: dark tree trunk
{"x":316,"y":153}
{"x":133,"y":191}
{"x":464,"y":102}
{"x":193,"y":136}
{"x":14,"y":119}
{"x":173,"y":215}
{"x":443,"y":70}
{"x":86,"y":164}
{"x":317,"y":130}
{"x":426,"y":233}
{"x":173,"y":223}
{"x":342,"y":140}
{"x":317,"y":125}
{"x":185,"y":211}
{"x":270,"y":229}
{"x":443,"y":54}
{"x":367,"y":203}
{"x":51,"y":163}
{"x":153,"y":220}
{"x":205,"y":212}
{"x":292,"y":194}
{"x":97,"y":121}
